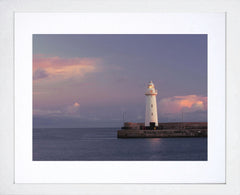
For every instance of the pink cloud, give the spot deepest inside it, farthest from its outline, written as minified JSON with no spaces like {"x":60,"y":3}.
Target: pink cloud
{"x":76,"y":104}
{"x":57,"y":67}
{"x":67,"y":110}
{"x":176,"y":104}
{"x":73,"y":109}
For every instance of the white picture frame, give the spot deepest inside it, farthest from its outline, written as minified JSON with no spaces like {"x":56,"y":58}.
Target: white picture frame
{"x":7,"y":184}
{"x":29,"y":171}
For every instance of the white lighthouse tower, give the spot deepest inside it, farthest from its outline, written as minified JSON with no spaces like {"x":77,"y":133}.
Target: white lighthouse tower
{"x":151,"y":105}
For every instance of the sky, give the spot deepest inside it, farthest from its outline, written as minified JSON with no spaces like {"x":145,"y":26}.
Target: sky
{"x":84,"y":81}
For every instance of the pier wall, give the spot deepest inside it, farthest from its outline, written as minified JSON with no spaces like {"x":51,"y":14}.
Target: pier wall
{"x":161,"y":133}
{"x":186,"y":129}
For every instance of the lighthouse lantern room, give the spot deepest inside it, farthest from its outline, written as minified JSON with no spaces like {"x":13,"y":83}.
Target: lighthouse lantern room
{"x":151,"y":116}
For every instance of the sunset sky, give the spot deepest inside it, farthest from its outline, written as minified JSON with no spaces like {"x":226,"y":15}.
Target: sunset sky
{"x":90,"y":80}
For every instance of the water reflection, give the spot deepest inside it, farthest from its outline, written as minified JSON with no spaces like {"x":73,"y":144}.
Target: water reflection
{"x":155,"y":141}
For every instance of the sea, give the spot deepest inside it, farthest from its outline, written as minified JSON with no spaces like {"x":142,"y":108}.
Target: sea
{"x":102,"y":144}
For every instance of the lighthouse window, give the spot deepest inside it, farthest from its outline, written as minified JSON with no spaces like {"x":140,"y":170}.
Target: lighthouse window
{"x":151,"y":105}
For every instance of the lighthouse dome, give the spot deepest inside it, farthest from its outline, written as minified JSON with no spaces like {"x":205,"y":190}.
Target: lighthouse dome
{"x":150,"y":84}
{"x":151,"y":89}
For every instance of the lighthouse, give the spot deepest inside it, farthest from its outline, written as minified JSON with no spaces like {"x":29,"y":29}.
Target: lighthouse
{"x":151,"y":105}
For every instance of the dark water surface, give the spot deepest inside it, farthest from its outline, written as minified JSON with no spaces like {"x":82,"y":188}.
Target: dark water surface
{"x":102,"y":144}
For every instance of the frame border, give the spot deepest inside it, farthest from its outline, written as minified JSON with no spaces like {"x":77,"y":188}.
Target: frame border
{"x":231,"y":187}
{"x":211,"y":171}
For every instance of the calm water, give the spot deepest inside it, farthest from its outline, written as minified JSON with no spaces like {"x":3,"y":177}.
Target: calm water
{"x":103,"y":144}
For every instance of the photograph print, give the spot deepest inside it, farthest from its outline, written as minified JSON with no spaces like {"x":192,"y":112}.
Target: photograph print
{"x":120,"y":97}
